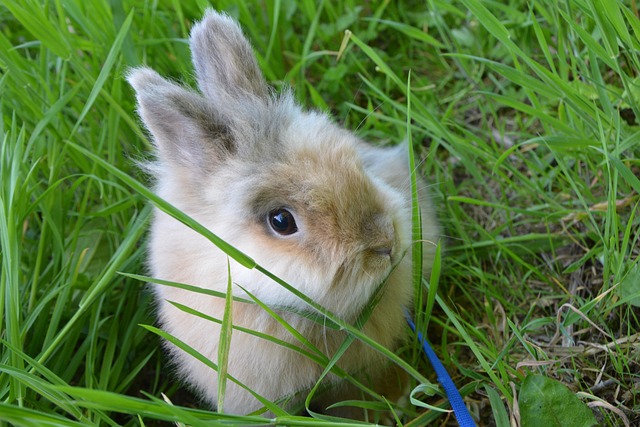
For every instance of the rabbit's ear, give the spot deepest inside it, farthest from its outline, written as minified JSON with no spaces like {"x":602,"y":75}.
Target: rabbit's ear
{"x":225,"y":64}
{"x":187,"y":130}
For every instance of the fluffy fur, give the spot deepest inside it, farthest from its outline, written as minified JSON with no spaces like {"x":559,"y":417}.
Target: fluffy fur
{"x":227,"y":156}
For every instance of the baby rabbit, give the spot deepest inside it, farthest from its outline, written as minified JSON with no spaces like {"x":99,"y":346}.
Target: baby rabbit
{"x":306,"y":199}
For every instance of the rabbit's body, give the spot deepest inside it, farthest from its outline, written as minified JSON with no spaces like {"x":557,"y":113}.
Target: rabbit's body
{"x":304,"y":198}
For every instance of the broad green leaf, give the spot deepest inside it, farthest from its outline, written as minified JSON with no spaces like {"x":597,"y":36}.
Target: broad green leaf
{"x":545,"y":402}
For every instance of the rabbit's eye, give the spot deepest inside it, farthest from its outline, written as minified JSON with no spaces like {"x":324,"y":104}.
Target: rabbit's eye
{"x":282,"y":222}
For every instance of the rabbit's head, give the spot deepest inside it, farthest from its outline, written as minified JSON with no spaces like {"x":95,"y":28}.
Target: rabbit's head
{"x":303,"y":197}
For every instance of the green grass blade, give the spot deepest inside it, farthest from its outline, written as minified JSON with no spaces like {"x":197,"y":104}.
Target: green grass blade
{"x":106,"y":70}
{"x":194,"y":353}
{"x":169,"y":209}
{"x":25,"y":417}
{"x":626,"y":173}
{"x":33,"y":18}
{"x":376,"y":59}
{"x":224,"y":342}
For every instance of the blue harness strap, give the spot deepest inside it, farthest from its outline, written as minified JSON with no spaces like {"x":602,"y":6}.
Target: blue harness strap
{"x":457,"y":404}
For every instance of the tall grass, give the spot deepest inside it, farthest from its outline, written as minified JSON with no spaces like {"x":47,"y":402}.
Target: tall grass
{"x":524,"y":117}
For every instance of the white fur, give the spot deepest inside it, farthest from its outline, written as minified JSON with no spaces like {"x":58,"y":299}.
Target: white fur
{"x":225,"y":157}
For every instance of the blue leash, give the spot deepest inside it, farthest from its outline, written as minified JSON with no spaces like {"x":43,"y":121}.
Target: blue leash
{"x":457,"y":404}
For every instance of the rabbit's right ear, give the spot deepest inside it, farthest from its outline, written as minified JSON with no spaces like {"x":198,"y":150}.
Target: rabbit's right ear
{"x":225,"y":64}
{"x":188,"y":132}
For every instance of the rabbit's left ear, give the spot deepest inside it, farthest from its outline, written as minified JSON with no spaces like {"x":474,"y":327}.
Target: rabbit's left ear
{"x":225,"y":64}
{"x":187,"y":130}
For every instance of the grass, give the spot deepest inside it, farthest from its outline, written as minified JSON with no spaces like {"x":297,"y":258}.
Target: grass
{"x":526,"y":120}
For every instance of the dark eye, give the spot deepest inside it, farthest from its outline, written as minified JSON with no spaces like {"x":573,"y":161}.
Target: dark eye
{"x":282,"y":222}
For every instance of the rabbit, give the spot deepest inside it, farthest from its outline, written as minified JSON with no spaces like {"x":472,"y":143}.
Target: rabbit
{"x":308,"y":200}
